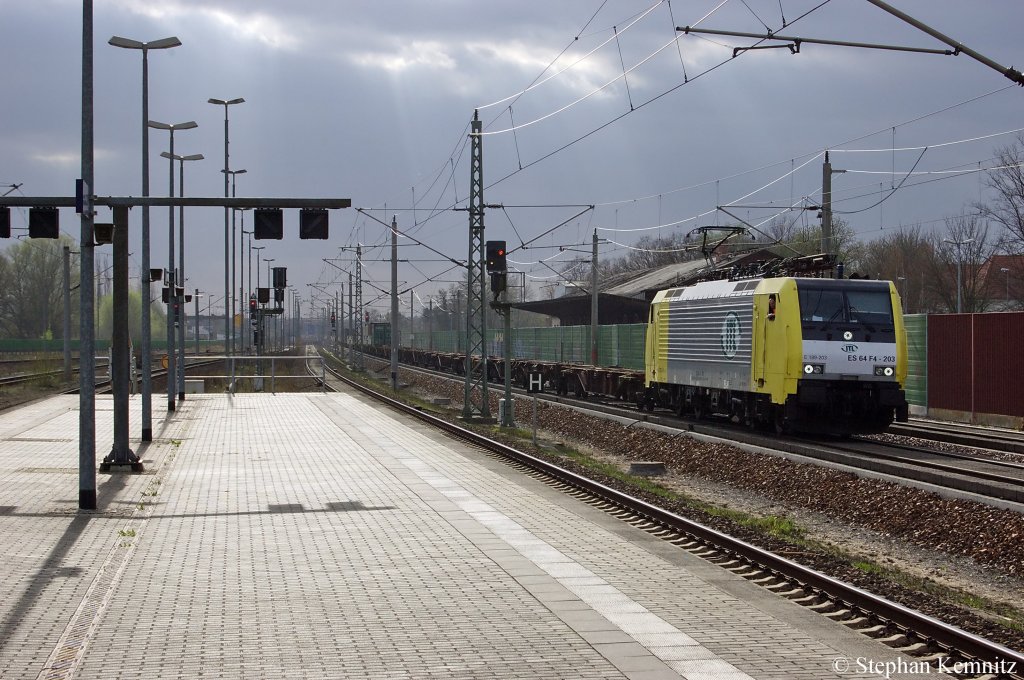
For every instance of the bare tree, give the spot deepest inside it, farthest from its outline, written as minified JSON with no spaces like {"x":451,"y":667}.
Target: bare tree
{"x":31,"y":299}
{"x":958,"y":256}
{"x":903,"y":256}
{"x":1007,"y":206}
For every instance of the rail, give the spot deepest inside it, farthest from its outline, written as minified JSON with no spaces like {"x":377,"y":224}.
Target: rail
{"x":921,"y":627}
{"x":234,"y":362}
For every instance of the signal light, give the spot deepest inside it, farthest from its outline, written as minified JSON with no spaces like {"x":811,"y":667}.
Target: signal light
{"x":333,"y":319}
{"x":313,"y":223}
{"x":43,"y":223}
{"x":494,"y":252}
{"x":367,"y":317}
{"x":280,"y":277}
{"x":252,"y":305}
{"x":268,"y":223}
{"x":263,"y":295}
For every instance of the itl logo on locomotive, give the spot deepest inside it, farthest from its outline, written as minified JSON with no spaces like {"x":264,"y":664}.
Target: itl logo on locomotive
{"x":731,"y":335}
{"x":849,"y":349}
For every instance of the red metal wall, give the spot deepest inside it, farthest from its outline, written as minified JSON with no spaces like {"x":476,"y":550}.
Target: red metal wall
{"x":976,"y":363}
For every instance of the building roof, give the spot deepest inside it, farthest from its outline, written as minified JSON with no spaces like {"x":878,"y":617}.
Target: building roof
{"x":625,"y":297}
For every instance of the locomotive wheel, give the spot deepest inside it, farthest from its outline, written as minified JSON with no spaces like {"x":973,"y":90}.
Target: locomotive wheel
{"x":779,"y":422}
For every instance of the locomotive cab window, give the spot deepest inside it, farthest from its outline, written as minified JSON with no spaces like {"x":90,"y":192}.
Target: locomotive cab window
{"x":821,"y":305}
{"x":825,"y":302}
{"x":871,"y":308}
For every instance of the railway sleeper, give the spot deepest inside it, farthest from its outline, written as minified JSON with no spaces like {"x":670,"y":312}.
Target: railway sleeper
{"x":838,"y":614}
{"x":859,"y":622}
{"x":748,"y":571}
{"x":917,"y":648}
{"x":826,"y":607}
{"x":896,"y":640}
{"x":872,"y":630}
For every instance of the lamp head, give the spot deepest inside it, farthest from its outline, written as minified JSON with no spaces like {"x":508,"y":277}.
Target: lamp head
{"x":228,"y":102}
{"x":188,"y":125}
{"x":128,"y":43}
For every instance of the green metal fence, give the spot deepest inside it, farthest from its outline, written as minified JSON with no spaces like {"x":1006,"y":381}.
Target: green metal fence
{"x":621,"y":346}
{"x":18,"y":346}
{"x":917,"y":359}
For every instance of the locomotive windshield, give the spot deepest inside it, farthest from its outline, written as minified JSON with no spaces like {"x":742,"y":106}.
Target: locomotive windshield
{"x":825,"y":301}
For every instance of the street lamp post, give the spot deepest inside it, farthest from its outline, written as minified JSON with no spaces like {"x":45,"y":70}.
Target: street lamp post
{"x":268,"y":260}
{"x":172,"y":284}
{"x":180,"y":304}
{"x":263,"y":340}
{"x":147,"y":380}
{"x":195,"y":298}
{"x":255,"y":291}
{"x":959,"y":261}
{"x":236,"y":304}
{"x":228,"y":338}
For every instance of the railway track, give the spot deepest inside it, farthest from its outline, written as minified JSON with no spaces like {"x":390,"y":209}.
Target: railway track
{"x":1007,"y":441}
{"x":16,"y":379}
{"x":981,"y":476}
{"x":907,"y":630}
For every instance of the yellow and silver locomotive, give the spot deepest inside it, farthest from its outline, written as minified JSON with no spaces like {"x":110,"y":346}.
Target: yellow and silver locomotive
{"x":806,"y":354}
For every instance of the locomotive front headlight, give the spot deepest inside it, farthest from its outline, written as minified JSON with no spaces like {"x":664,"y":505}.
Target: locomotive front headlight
{"x":814,"y":369}
{"x":808,"y":368}
{"x":888,"y":371}
{"x":884,"y":371}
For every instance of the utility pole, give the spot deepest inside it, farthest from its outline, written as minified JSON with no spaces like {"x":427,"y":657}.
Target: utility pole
{"x":359,"y":302}
{"x":195,"y":299}
{"x":593,"y":303}
{"x":959,"y":261}
{"x":508,"y":413}
{"x":352,"y":324}
{"x":476,"y":320}
{"x":87,"y":320}
{"x":67,"y":313}
{"x":120,"y":455}
{"x":394,"y":304}
{"x":827,"y":241}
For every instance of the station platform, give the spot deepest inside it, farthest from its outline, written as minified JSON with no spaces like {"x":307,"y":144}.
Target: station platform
{"x":323,"y":536}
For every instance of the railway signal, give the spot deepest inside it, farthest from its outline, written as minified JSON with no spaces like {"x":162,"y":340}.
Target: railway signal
{"x":495,"y":253}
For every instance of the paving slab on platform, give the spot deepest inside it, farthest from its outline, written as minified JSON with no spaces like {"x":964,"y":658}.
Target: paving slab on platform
{"x":322,"y":536}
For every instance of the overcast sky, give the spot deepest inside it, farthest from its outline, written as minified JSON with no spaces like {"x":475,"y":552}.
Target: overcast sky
{"x":372,"y":101}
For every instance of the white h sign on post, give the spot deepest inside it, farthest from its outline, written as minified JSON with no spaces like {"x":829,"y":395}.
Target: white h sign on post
{"x":536,"y":383}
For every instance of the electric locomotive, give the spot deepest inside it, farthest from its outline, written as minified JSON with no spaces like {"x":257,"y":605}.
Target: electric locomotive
{"x":792,"y":353}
